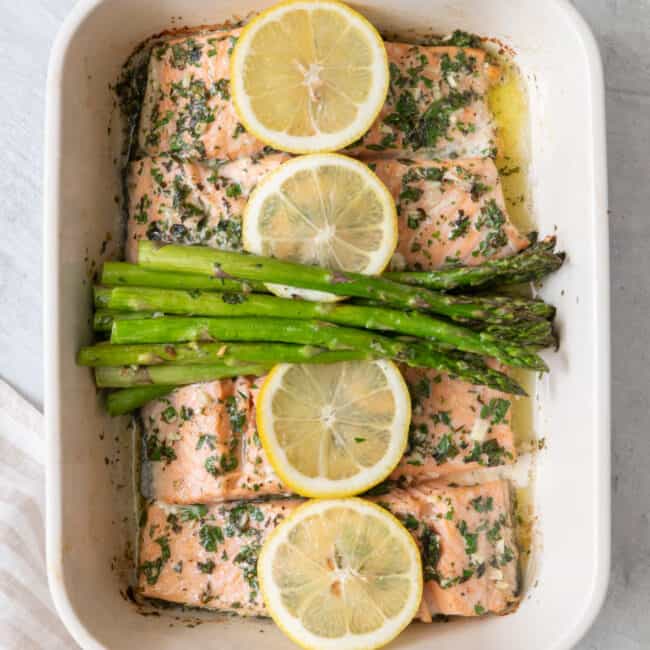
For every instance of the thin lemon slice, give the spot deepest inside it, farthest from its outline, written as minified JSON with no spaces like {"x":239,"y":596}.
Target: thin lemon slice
{"x":334,"y":430}
{"x":325,"y":210}
{"x":341,"y":574}
{"x":309,"y":75}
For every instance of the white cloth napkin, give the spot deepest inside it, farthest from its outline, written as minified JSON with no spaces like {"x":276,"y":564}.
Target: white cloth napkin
{"x":28,"y":620}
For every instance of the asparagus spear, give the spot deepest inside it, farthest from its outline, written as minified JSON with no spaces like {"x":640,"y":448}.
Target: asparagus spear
{"x":124,"y":401}
{"x":103,"y":318}
{"x":226,"y":264}
{"x":125,"y":274}
{"x":229,"y":354}
{"x":171,"y":375}
{"x":471,"y":368}
{"x":325,"y":335}
{"x":530,"y":265}
{"x":535,"y":333}
{"x":377,"y":318}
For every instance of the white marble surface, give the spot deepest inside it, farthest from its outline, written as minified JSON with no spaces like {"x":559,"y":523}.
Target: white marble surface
{"x":623,"y":30}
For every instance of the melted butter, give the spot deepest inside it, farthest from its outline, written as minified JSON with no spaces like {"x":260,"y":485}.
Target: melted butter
{"x":508,"y":103}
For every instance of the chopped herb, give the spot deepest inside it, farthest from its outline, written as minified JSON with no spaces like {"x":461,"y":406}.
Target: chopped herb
{"x":430,"y":554}
{"x":410,"y":522}
{"x":233,"y":190}
{"x":471,"y":539}
{"x":209,"y":537}
{"x":169,"y":414}
{"x":206,"y":439}
{"x":496,"y":410}
{"x":459,"y":227}
{"x":445,"y":449}
{"x":192,"y":513}
{"x":237,"y":417}
{"x":158,"y":450}
{"x":152,"y":568}
{"x":483,"y":504}
{"x":206,"y":567}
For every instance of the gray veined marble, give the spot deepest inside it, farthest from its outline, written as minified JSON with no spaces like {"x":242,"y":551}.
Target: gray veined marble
{"x":623,"y":31}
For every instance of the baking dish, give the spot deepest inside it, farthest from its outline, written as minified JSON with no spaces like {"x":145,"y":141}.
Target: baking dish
{"x":90,"y":494}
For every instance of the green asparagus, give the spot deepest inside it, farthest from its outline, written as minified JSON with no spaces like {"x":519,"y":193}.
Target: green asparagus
{"x":123,"y":377}
{"x":125,"y":274}
{"x":316,"y":333}
{"x":121,"y":402}
{"x":252,"y":305}
{"x":228,"y":265}
{"x":531,"y":264}
{"x":229,"y":354}
{"x":103,"y":318}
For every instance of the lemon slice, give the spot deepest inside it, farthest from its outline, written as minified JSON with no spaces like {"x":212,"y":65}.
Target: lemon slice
{"x":325,"y":210}
{"x":335,"y":429}
{"x":341,"y":574}
{"x":309,"y":75}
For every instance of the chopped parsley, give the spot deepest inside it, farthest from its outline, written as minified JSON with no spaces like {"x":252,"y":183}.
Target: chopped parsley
{"x":209,"y":537}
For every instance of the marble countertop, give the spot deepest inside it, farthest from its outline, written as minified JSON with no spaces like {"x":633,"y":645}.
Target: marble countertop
{"x":623,"y":31}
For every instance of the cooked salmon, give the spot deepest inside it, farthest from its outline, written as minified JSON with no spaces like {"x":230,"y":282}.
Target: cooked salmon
{"x":190,"y":202}
{"x":201,"y":445}
{"x":449,"y":212}
{"x":467,"y":539}
{"x":187,"y":110}
{"x":455,"y":427}
{"x":436,"y":105}
{"x":206,"y":556}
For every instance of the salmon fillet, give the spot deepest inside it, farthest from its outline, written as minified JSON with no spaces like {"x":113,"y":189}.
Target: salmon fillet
{"x":467,"y":539}
{"x":201,"y":445}
{"x":436,"y":105}
{"x":455,"y":427}
{"x":206,"y":556}
{"x":448,"y":212}
{"x":187,"y":110}
{"x":189,"y":202}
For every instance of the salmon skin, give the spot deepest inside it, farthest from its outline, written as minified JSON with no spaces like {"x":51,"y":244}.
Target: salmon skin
{"x":449,"y":212}
{"x":201,"y":445}
{"x":188,"y":202}
{"x":187,"y":110}
{"x":436,"y":105}
{"x":205,"y":556}
{"x":455,"y":427}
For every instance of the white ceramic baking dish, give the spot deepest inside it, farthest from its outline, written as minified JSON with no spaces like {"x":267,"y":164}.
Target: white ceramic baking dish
{"x":89,"y":490}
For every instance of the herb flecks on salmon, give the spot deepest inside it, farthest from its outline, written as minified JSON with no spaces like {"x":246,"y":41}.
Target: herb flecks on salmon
{"x":202,"y":446}
{"x":454,"y":427}
{"x":449,"y":213}
{"x":205,"y":556}
{"x":189,"y":202}
{"x":437,"y":104}
{"x":467,"y":539}
{"x":187,"y":109}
